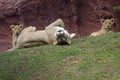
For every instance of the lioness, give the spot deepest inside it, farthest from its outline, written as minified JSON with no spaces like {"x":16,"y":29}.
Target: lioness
{"x":106,"y":27}
{"x":43,"y":36}
{"x":29,"y":35}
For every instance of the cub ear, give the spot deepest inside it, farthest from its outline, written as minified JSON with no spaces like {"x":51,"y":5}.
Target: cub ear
{"x":21,"y":25}
{"x":112,"y":20}
{"x":102,"y":20}
{"x":12,"y":26}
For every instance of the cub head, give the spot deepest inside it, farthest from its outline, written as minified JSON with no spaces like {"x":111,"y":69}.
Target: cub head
{"x":107,"y":23}
{"x":16,"y":29}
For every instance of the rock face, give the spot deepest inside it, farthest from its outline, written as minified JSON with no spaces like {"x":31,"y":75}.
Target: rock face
{"x":79,"y":16}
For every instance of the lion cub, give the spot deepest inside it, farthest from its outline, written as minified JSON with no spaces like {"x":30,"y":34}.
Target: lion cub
{"x":16,"y":29}
{"x":106,"y":27}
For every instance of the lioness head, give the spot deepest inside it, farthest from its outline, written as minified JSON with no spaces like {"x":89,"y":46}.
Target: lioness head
{"x":107,"y":23}
{"x":16,"y":29}
{"x":62,"y":36}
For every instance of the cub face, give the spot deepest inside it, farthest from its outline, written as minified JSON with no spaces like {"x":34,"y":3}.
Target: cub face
{"x":16,"y":29}
{"x":107,"y":23}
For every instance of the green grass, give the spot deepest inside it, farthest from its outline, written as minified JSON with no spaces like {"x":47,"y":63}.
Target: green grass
{"x":88,"y":58}
{"x":117,"y":7}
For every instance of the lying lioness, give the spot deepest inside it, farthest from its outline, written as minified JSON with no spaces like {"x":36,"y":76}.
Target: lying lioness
{"x":29,"y":36}
{"x":106,"y":27}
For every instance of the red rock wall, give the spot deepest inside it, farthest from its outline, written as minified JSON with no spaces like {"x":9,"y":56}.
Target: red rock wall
{"x":79,"y":16}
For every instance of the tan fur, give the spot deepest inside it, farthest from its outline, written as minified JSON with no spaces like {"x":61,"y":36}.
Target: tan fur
{"x":27,"y":37}
{"x":58,"y":22}
{"x":16,"y":29}
{"x":106,"y":27}
{"x":50,"y":29}
{"x":30,"y":37}
{"x":41,"y":37}
{"x":46,"y":36}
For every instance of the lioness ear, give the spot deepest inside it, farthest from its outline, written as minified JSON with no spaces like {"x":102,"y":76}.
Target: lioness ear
{"x":112,"y":20}
{"x":11,"y":26}
{"x":68,"y":41}
{"x":21,"y":26}
{"x":102,"y":20}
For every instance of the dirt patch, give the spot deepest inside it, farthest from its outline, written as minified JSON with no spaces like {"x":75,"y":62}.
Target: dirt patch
{"x":118,"y":46}
{"x":70,"y":60}
{"x":79,"y":16}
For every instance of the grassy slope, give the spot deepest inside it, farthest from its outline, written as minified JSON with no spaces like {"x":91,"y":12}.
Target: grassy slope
{"x":93,"y":58}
